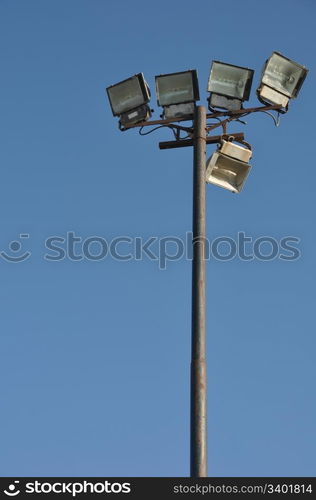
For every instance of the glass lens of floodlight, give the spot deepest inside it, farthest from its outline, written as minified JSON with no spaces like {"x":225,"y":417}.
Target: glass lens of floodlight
{"x":228,"y":80}
{"x":176,"y":88}
{"x":282,"y":74}
{"x":126,"y":95}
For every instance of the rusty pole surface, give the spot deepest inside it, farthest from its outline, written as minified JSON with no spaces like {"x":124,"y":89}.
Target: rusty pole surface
{"x":198,"y":360}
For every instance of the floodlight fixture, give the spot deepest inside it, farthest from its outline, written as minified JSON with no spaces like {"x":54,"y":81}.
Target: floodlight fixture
{"x":281,"y":80}
{"x":129,"y":98}
{"x":228,"y":85}
{"x":177,"y":93}
{"x":228,"y":167}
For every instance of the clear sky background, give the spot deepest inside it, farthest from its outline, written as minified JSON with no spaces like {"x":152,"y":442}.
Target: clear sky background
{"x":95,"y":355}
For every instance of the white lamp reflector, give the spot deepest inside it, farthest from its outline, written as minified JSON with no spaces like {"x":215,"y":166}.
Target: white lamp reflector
{"x":269,"y":95}
{"x":235,"y":151}
{"x":228,"y":167}
{"x":227,"y":172}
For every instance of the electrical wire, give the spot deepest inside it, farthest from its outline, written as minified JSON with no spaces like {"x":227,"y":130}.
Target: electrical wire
{"x":151,"y":130}
{"x":241,"y":121}
{"x":176,"y":136}
{"x":213,"y":118}
{"x":221,"y":123}
{"x":276,"y":120}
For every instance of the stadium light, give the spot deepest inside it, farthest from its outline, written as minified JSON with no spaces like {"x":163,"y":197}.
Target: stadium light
{"x":228,"y":167}
{"x":129,"y":98}
{"x":177,"y":93}
{"x":229,"y":85}
{"x":281,"y":80}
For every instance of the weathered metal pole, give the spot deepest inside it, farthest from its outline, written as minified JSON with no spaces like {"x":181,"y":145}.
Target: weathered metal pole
{"x":198,"y":360}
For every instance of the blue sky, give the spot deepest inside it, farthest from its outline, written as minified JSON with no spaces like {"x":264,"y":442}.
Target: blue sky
{"x":95,"y":354}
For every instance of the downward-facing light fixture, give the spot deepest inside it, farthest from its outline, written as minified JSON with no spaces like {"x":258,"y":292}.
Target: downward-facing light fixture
{"x":177,"y":93}
{"x":228,"y":167}
{"x":129,"y":100}
{"x":229,"y":86}
{"x":281,"y":80}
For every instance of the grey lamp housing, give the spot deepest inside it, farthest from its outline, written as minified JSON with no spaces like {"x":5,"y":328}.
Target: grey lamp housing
{"x":177,"y":93}
{"x":129,"y":98}
{"x":281,"y":80}
{"x":229,"y":85}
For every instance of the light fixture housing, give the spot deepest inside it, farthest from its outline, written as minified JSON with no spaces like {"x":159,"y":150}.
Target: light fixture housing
{"x":228,"y":167}
{"x":228,"y":85}
{"x":281,"y":81}
{"x":129,"y":98}
{"x":177,"y":93}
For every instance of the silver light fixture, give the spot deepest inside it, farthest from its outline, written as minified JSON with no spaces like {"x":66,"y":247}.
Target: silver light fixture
{"x":281,"y":80}
{"x":229,"y":85}
{"x":177,"y":93}
{"x":129,"y":98}
{"x":228,"y":167}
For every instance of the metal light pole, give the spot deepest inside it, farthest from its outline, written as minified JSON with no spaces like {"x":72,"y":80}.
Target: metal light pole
{"x":199,"y":137}
{"x":198,"y":354}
